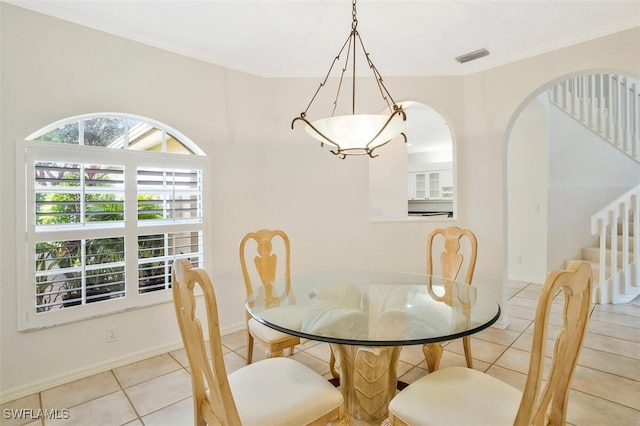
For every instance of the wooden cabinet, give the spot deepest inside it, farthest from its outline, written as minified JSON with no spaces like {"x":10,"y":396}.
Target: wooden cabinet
{"x":431,"y":185}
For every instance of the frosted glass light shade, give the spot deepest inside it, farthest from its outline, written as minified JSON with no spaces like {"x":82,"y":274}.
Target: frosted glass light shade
{"x":356,"y":134}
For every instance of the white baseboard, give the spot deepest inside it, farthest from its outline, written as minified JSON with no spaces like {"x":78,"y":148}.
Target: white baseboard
{"x":30,"y":388}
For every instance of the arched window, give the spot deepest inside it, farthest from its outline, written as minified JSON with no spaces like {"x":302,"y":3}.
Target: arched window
{"x":110,"y":201}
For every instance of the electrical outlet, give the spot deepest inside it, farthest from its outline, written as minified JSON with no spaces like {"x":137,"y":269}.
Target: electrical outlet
{"x":519,"y":260}
{"x":112,"y":334}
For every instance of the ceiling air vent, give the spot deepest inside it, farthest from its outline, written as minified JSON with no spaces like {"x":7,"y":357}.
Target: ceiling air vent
{"x":472,"y":56}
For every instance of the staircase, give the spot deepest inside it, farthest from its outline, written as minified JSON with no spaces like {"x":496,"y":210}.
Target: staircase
{"x":618,"y":228}
{"x":609,"y":105}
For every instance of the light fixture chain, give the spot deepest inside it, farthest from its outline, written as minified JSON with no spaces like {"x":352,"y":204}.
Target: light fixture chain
{"x":354,"y":12}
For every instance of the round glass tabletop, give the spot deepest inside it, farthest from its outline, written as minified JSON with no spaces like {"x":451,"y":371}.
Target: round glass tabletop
{"x":372,"y":308}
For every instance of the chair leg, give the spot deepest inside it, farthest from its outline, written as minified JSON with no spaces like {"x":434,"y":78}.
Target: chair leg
{"x":432,"y":354}
{"x":274,"y":354}
{"x":249,"y":347}
{"x":291,"y":350}
{"x":466,"y":341}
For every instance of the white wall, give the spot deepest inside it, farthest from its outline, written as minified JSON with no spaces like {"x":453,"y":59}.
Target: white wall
{"x":262,"y":173}
{"x":528,"y":158}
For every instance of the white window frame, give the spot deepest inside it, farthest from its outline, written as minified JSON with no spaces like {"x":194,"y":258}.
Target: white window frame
{"x":29,"y":151}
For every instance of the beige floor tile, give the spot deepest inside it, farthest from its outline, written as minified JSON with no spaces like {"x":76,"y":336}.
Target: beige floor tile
{"x":412,"y":375}
{"x":512,"y":292}
{"x":321,"y":351}
{"x":529,"y":294}
{"x":233,"y":362}
{"x":235,"y":341}
{"x":612,"y":345}
{"x":482,"y":350}
{"x":518,"y":324}
{"x":136,"y":422}
{"x":587,"y":410}
{"x":496,"y":335}
{"x":412,"y":354}
{"x":525,"y":341}
{"x":613,"y":330}
{"x":524,"y":302}
{"x":79,"y":391}
{"x":452,"y":359}
{"x":513,"y":378}
{"x":180,"y":355}
{"x":515,"y":359}
{"x":113,"y":409}
{"x":160,"y":392}
{"x":610,"y":363}
{"x":522,"y":312}
{"x":316,"y":364}
{"x":178,"y":414}
{"x":626,"y":309}
{"x":146,"y":369}
{"x":403,"y":368}
{"x":517,"y":285}
{"x":616,"y":318}
{"x":607,"y":386}
{"x":18,"y":413}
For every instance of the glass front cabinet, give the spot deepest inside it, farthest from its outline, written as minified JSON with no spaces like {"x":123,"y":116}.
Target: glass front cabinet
{"x":431,"y":185}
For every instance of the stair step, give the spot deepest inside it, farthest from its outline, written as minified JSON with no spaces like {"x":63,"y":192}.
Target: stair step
{"x":592,"y":254}
{"x":630,"y":228}
{"x":620,"y":241}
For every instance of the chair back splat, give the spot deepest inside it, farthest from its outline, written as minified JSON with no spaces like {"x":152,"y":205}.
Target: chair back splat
{"x":219,"y":407}
{"x":575,"y":283}
{"x":453,"y":242}
{"x":451,"y":259}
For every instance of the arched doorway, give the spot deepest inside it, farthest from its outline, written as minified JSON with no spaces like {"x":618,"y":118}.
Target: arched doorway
{"x":560,"y":171}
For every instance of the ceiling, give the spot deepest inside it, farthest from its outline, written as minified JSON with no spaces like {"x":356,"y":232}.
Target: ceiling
{"x":300,"y":38}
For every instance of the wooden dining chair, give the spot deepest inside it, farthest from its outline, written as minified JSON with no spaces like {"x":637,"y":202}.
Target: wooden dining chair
{"x":463,"y":396}
{"x":265,"y":266}
{"x":276,"y":391}
{"x":448,"y":243}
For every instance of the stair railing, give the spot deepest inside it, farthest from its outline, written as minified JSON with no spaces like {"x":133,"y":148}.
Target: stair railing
{"x":607,"y":104}
{"x":623,"y":214}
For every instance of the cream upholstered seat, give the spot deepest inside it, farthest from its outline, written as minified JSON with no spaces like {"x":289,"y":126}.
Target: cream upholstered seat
{"x":276,"y":391}
{"x":266,"y":269}
{"x":463,"y":396}
{"x":447,"y":242}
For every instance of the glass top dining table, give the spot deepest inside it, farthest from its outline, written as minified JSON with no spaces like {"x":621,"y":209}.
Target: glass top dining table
{"x":374,"y":308}
{"x":367,"y":316}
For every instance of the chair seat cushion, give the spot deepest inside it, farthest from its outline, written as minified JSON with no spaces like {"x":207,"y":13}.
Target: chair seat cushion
{"x":289,"y":316}
{"x":457,"y":396}
{"x":281,"y":391}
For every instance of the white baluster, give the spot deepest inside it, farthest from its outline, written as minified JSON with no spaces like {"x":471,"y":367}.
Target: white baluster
{"x":617,"y":109}
{"x":635,"y":120}
{"x":601,"y":103}
{"x":624,"y":113}
{"x":583,"y":97}
{"x":613,"y":257}
{"x":624,"y":213}
{"x":592,"y":102}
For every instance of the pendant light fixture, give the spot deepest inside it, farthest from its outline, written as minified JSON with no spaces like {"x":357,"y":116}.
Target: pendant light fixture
{"x":355,"y":134}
